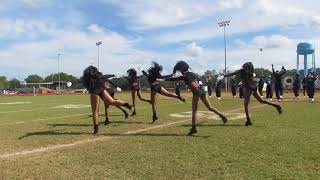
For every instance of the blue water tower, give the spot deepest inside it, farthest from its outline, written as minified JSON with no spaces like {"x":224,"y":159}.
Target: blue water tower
{"x":305,"y":49}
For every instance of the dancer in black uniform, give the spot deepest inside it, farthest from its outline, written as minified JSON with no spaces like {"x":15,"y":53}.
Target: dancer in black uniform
{"x":111,"y":92}
{"x":261,"y":84}
{"x":198,"y":93}
{"x":296,"y":85}
{"x":278,"y":87}
{"x":218,"y":89}
{"x":177,"y":87}
{"x":269,"y":91}
{"x":311,"y":87}
{"x":234,"y":87}
{"x":94,"y":82}
{"x":154,"y":75}
{"x":134,"y":81}
{"x":250,"y":88}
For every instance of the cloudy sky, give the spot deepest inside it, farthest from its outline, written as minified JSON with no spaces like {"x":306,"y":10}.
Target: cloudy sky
{"x":136,"y":32}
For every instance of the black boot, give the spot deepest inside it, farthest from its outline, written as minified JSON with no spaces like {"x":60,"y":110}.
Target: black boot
{"x":126,"y":115}
{"x":193,"y":131}
{"x":279,"y":109}
{"x":95,"y":129}
{"x":106,"y":122}
{"x":224,"y":118}
{"x":248,"y":122}
{"x":128,"y":106}
{"x":182,"y":99}
{"x":154,"y":118}
{"x":134,"y":112}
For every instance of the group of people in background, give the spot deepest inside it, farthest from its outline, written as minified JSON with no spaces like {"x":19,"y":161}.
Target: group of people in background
{"x":100,"y":87}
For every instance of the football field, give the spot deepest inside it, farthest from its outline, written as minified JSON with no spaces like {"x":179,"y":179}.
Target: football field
{"x":50,"y":137}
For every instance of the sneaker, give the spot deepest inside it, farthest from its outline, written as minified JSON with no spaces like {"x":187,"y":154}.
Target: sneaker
{"x":95,"y":129}
{"x":312,"y":100}
{"x":134,"y":113}
{"x":182,"y":99}
{"x":193,"y":131}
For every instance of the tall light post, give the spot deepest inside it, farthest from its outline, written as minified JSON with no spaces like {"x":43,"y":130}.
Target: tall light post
{"x":59,"y":71}
{"x":261,"y":50}
{"x":98,"y":44}
{"x":224,"y":24}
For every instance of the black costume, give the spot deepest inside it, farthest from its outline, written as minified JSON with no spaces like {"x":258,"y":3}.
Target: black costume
{"x":261,"y":84}
{"x":93,"y":80}
{"x":133,"y":80}
{"x":153,"y":76}
{"x":311,"y":87}
{"x":234,"y":87}
{"x":269,"y":91}
{"x":177,"y":87}
{"x":209,"y":83}
{"x":218,"y":89}
{"x":246,"y":76}
{"x":241,"y":92}
{"x":296,"y":85}
{"x":278,"y":87}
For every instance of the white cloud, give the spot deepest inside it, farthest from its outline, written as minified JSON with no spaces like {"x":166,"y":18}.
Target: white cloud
{"x":274,"y":41}
{"x":194,"y":50}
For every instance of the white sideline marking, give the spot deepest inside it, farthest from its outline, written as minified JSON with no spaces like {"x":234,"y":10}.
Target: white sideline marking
{"x":61,"y":146}
{"x":14,"y":103}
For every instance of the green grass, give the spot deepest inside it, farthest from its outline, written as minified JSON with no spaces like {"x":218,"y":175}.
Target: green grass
{"x":277,"y":147}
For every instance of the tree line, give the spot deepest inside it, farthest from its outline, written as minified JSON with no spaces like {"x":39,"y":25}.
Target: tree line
{"x":122,"y":82}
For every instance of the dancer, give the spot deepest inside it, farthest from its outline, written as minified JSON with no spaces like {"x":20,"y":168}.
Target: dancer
{"x":296,"y":85}
{"x":209,"y":84}
{"x":304,"y":86}
{"x":240,"y":90}
{"x":177,"y":87}
{"x":198,"y":93}
{"x":94,"y":81}
{"x":154,"y":75}
{"x":218,"y":89}
{"x":134,"y":82}
{"x":261,"y":84}
{"x":250,"y":88}
{"x":278,"y":82}
{"x":112,"y":92}
{"x":311,"y":87}
{"x":269,"y":91}
{"x":234,"y":86}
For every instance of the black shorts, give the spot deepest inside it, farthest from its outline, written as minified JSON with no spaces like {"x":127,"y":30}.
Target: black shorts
{"x":111,"y":92}
{"x":198,"y":92}
{"x":156,"y":88}
{"x":96,"y":91}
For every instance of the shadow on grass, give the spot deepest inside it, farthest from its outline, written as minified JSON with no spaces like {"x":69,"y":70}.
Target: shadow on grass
{"x":222,"y":125}
{"x":59,"y":133}
{"x":100,"y":123}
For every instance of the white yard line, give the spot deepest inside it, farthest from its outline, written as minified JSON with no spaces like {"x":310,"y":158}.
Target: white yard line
{"x":86,"y":141}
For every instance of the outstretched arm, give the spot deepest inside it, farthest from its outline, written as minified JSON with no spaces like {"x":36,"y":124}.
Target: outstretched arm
{"x":283,"y":71}
{"x":174,"y":78}
{"x":104,"y":78}
{"x":231,"y":74}
{"x":165,"y":77}
{"x":272,"y":69}
{"x":145,"y":73}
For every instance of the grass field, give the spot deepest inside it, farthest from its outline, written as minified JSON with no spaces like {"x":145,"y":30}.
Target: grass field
{"x":42,"y":139}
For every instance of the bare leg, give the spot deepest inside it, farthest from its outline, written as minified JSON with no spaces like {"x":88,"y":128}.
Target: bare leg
{"x":212,"y":109}
{"x":195,"y":100}
{"x":141,"y":98}
{"x":133,"y":94}
{"x":164,"y":92}
{"x":153,"y":103}
{"x":94,"y":100}
{"x":109,"y":100}
{"x":247,"y":94}
{"x":262,"y":101}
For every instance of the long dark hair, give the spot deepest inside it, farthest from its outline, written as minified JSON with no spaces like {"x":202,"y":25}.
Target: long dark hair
{"x":181,"y":66}
{"x":156,"y":69}
{"x":90,"y":77}
{"x":132,"y":73}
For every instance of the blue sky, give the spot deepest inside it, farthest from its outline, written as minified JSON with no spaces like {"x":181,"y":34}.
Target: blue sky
{"x":136,"y":32}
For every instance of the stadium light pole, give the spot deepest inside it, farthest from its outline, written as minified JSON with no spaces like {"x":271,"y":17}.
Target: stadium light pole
{"x":59,"y":70}
{"x":224,"y":24}
{"x":261,"y":50}
{"x":98,"y":44}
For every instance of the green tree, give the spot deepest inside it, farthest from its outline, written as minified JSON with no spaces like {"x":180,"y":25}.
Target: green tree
{"x":3,"y":82}
{"x":63,"y":77}
{"x":14,"y":83}
{"x":34,"y":78}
